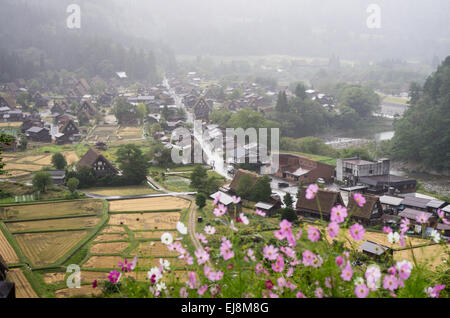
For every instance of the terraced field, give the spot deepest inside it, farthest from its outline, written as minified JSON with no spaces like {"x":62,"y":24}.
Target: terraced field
{"x":23,"y":287}
{"x":109,"y":248}
{"x":148,"y":204}
{"x":58,"y":224}
{"x":6,"y":250}
{"x":146,"y":221}
{"x":46,"y":248}
{"x":155,"y":249}
{"x":54,"y":209}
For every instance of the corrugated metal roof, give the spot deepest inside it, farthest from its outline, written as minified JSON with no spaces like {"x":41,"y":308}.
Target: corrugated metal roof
{"x":386,"y":199}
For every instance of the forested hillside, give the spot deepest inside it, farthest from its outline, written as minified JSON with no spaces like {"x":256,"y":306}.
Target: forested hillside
{"x":423,"y":134}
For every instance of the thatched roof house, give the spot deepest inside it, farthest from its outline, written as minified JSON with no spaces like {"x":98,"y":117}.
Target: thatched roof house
{"x":239,"y":174}
{"x":327,"y":200}
{"x":96,"y":161}
{"x":370,"y":213}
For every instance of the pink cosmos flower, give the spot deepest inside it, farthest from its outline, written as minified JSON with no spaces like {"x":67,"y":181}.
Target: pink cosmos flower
{"x":183,"y":293}
{"x":422,"y":218}
{"x":279,"y":235}
{"x":338,"y":214}
{"x":313,"y":234}
{"x":361,"y":291}
{"x":226,"y":249}
{"x":236,"y":199}
{"x":124,"y":265}
{"x":392,"y":270}
{"x":333,"y":229}
{"x":95,"y":284}
{"x":434,"y":292}
{"x":220,"y":211}
{"x":114,"y":277}
{"x":347,"y":272}
{"x":201,"y":238}
{"x":210,"y":230}
{"x":339,"y":260}
{"x":202,"y":256}
{"x":278,"y":266}
{"x":441,"y":215}
{"x":251,"y":254}
{"x":202,"y":289}
{"x":299,"y":234}
{"x":192,"y":282}
{"x":260,"y":213}
{"x":328,"y":282}
{"x":308,"y":258}
{"x":289,"y":272}
{"x":387,"y":229}
{"x":270,"y":252}
{"x":373,"y":276}
{"x":311,"y":191}
{"x":404,"y":225}
{"x":216,"y":200}
{"x":288,"y":251}
{"x":318,"y":292}
{"x":404,"y":269}
{"x":259,"y":268}
{"x":390,"y":282}
{"x":244,"y":218}
{"x":285,"y":226}
{"x":300,"y":295}
{"x":290,"y":286}
{"x":357,"y":231}
{"x":317,"y":261}
{"x":359,"y":199}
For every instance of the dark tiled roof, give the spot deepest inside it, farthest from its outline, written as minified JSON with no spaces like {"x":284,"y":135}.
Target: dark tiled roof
{"x":416,"y":202}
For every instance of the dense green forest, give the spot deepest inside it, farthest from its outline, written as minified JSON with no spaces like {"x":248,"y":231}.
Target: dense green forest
{"x":423,"y":134}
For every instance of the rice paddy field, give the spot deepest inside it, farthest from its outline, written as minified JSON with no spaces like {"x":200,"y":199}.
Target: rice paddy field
{"x":7,"y":251}
{"x":123,"y":191}
{"x":148,"y":204}
{"x":23,"y":287}
{"x":146,"y":221}
{"x":130,"y":132}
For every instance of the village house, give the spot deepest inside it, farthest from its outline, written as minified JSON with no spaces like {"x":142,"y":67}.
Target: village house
{"x":88,"y":108}
{"x":70,"y":130}
{"x":390,"y":204}
{"x":369,"y":214}
{"x":415,"y":203}
{"x":4,"y":103}
{"x":271,"y":207}
{"x":434,"y":205}
{"x":327,"y":200}
{"x":58,"y":176}
{"x":98,"y":163}
{"x":40,"y":101}
{"x":298,"y":169}
{"x":234,"y":185}
{"x":375,"y":250}
{"x":39,"y":134}
{"x":202,"y":109}
{"x":412,"y":214}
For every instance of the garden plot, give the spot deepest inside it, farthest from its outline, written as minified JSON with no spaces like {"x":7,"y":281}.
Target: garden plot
{"x":14,"y":174}
{"x":109,"y":248}
{"x":146,"y":221}
{"x":83,"y":291}
{"x":155,"y":249}
{"x":71,"y":157}
{"x":46,"y":248}
{"x":103,"y":262}
{"x":20,"y":166}
{"x":111,"y":237}
{"x":130,"y":133}
{"x":47,"y":210}
{"x":23,"y":287}
{"x":149,"y":204}
{"x":103,"y":134}
{"x":433,"y":255}
{"x":153,"y":235}
{"x":112,"y":229}
{"x":58,"y":224}
{"x":178,"y":184}
{"x":46,"y":160}
{"x":6,"y":250}
{"x":31,"y":159}
{"x":86,"y":277}
{"x":122,"y":191}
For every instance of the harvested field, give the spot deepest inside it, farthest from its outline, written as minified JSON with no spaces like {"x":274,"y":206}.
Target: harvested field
{"x":111,"y":237}
{"x":112,"y":229}
{"x":25,"y":167}
{"x":23,"y":287}
{"x":71,"y":157}
{"x":123,"y":191}
{"x":46,"y":248}
{"x":14,"y":174}
{"x":83,"y":291}
{"x":109,"y":248}
{"x":146,"y":263}
{"x":59,"y":224}
{"x":104,"y":134}
{"x":130,"y":132}
{"x":31,"y":159}
{"x":149,"y":204}
{"x":54,"y":209}
{"x":6,"y":250}
{"x":46,"y":161}
{"x":103,"y":262}
{"x":433,"y":255}
{"x":153,"y":234}
{"x":11,"y":124}
{"x":86,"y":277}
{"x":147,"y":221}
{"x":153,"y":249}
